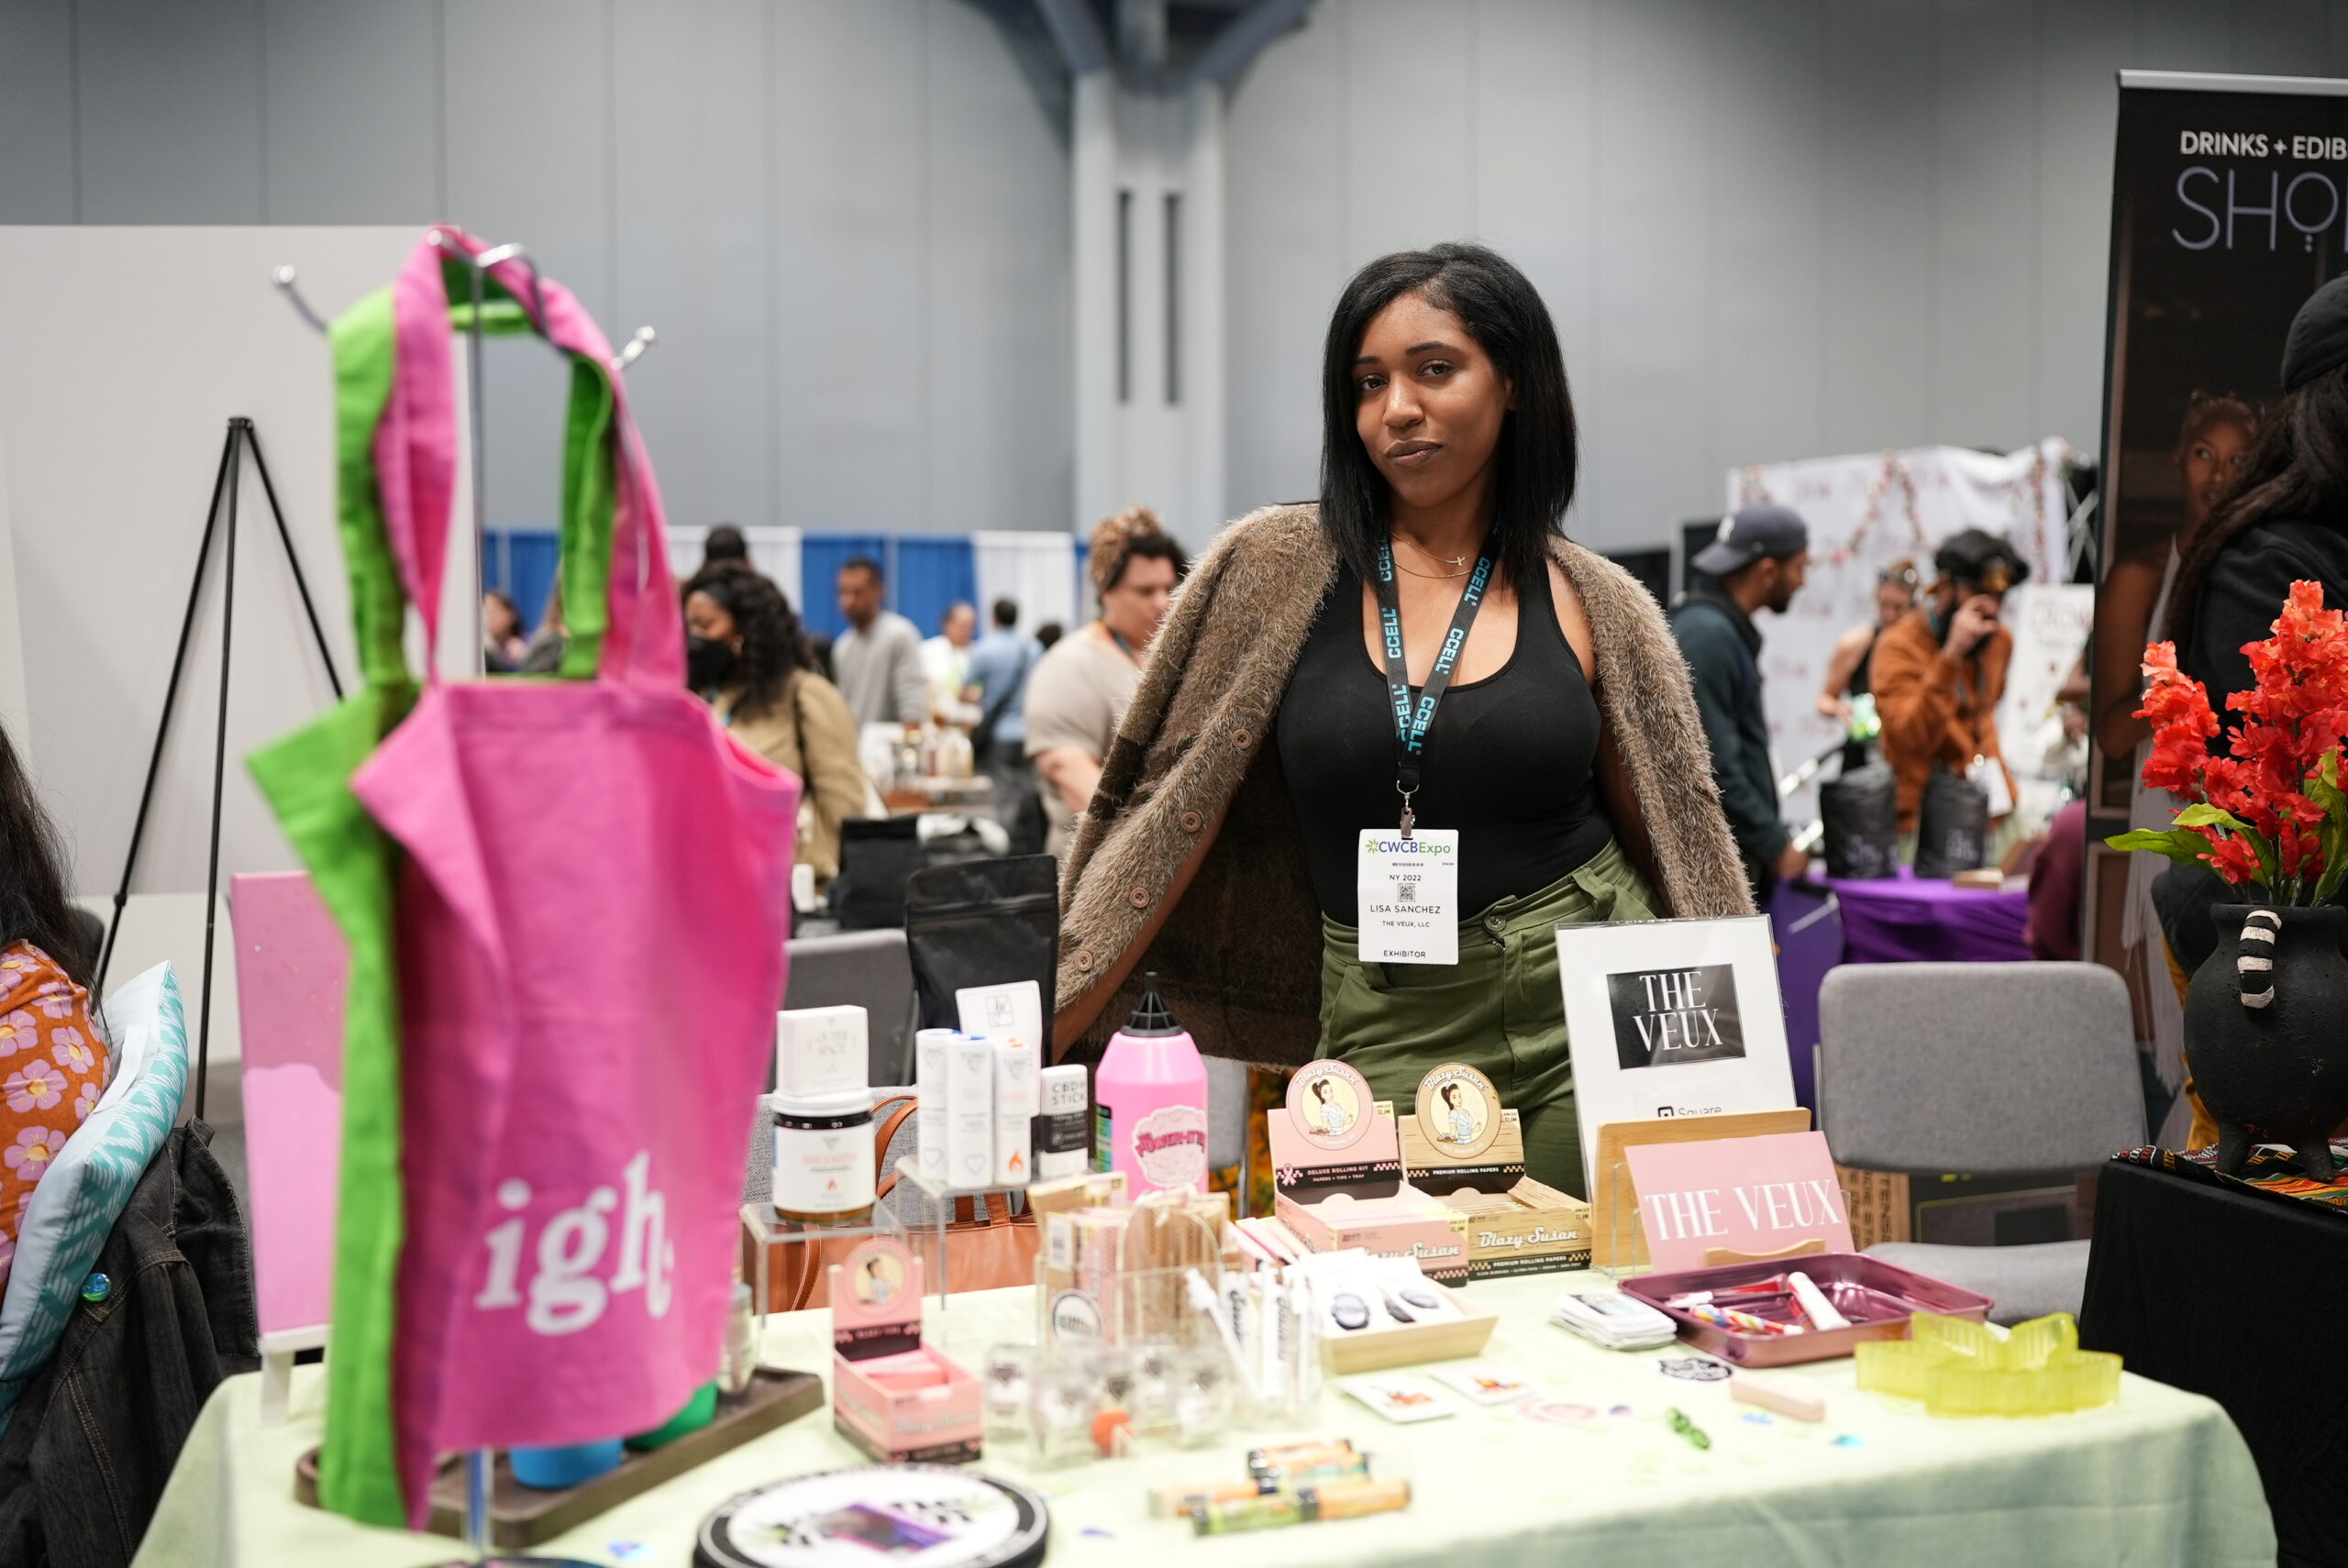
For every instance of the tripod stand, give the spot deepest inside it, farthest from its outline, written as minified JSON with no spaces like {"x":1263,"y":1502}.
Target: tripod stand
{"x":242,"y":437}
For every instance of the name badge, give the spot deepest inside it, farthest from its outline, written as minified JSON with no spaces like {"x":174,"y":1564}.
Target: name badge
{"x":1408,"y":893}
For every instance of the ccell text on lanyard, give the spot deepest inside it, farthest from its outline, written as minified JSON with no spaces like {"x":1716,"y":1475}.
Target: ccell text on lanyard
{"x":1407,"y":887}
{"x":1413,"y":720}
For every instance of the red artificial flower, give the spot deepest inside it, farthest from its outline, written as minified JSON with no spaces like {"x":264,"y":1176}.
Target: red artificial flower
{"x":2293,"y":716}
{"x":2230,"y":858}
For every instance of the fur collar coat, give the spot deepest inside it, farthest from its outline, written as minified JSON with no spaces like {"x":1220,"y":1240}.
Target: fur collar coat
{"x":1238,"y":952}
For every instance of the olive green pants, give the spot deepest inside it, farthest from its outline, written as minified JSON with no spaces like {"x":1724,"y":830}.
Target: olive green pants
{"x":1499,"y":1009}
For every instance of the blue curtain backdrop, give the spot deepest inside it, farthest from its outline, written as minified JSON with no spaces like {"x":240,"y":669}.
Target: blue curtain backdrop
{"x":930,"y":572}
{"x":926,"y":573}
{"x":522,"y":562}
{"x":821,"y":556}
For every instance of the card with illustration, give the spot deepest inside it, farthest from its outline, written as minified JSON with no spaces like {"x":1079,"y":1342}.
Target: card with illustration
{"x":1459,"y":1111}
{"x":1400,"y":1396}
{"x":1330,"y":1104}
{"x":1485,"y":1381}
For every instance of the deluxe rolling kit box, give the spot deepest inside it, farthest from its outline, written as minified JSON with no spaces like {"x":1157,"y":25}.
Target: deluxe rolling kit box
{"x":1462,"y":1148}
{"x":898,"y":1399}
{"x":1337,"y":1170}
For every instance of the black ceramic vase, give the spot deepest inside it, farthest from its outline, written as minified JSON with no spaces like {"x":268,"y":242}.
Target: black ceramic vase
{"x":2267,"y":1031}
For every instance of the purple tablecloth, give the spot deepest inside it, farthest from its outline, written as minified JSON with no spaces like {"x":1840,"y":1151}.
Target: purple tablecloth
{"x":1900,"y":920}
{"x":1809,"y":934}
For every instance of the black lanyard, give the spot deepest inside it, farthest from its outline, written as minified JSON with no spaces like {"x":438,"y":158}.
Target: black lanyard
{"x":1413,"y":720}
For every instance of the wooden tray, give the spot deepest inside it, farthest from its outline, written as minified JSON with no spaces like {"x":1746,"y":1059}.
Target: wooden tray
{"x":1445,"y":1341}
{"x":523,"y":1515}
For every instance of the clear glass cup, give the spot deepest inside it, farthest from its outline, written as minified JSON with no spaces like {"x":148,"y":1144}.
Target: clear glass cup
{"x":1203,"y":1394}
{"x":1066,"y":1395}
{"x":1158,"y":1366}
{"x":1008,"y":1374}
{"x":741,"y":1363}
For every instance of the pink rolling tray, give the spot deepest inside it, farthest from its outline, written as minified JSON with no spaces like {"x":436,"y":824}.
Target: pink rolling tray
{"x":1877,"y":1297}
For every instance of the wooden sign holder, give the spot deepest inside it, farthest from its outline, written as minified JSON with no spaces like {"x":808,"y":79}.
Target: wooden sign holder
{"x":1618,"y":1241}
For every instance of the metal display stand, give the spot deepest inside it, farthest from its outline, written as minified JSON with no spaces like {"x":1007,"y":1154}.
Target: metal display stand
{"x":480,"y":1462}
{"x":241,"y":439}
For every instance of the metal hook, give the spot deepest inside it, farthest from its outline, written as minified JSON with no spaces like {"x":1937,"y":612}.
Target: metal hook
{"x":633,"y":349}
{"x":284,"y":278}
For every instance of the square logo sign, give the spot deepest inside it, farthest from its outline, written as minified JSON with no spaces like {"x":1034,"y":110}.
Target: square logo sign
{"x":1668,"y":1018}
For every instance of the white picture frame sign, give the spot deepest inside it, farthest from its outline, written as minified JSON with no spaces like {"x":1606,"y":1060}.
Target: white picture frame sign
{"x":1671,"y":1018}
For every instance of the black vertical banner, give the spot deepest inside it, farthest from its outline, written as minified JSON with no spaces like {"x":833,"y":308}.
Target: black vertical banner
{"x":2229,"y":207}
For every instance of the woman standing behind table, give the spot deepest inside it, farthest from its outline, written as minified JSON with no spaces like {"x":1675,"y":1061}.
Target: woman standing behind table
{"x":2282,"y":519}
{"x":1261,"y":748}
{"x":1848,"y":667}
{"x":52,"y":1061}
{"x":746,"y":656}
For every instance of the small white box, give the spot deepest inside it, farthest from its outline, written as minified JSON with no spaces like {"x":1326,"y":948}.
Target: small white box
{"x":820,"y":1052}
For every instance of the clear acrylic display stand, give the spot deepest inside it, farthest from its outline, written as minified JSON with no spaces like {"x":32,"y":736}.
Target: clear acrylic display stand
{"x":927,"y":1237}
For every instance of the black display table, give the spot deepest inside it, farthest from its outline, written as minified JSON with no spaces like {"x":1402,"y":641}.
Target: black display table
{"x":2244,"y":1298}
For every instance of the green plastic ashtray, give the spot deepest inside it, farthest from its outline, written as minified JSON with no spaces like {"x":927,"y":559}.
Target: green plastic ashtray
{"x":698,"y":1412}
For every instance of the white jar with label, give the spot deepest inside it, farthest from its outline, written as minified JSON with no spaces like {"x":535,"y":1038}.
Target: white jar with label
{"x":824,"y":1158}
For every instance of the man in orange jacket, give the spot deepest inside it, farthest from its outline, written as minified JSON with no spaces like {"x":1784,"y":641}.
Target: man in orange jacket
{"x":1938,"y":673}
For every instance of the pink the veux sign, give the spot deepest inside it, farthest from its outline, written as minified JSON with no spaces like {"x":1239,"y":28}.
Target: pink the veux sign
{"x":292,"y":968}
{"x":1746,"y":1194}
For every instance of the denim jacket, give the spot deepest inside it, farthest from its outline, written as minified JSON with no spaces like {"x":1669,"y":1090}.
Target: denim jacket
{"x":96,"y":1435}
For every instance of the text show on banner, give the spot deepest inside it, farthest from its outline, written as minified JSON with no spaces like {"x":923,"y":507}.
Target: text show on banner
{"x":2230,"y":207}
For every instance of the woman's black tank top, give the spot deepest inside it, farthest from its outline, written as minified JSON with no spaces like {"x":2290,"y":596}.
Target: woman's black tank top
{"x":1511,"y":761}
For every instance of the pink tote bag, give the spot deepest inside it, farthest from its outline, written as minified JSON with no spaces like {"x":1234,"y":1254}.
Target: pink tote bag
{"x":592,"y":921}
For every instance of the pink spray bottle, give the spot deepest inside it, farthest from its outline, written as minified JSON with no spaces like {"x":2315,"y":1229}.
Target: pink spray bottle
{"x":1150,"y":1094}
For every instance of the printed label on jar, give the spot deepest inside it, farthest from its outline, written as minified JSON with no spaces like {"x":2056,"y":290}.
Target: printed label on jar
{"x":1103,"y":1141}
{"x":825,"y":1172}
{"x":1170,"y":1146}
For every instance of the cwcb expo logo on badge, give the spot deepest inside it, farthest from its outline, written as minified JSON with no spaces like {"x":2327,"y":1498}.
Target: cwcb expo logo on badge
{"x":1433,"y":849}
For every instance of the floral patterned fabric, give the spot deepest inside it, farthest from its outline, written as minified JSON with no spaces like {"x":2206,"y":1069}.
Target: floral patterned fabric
{"x":52,"y":1069}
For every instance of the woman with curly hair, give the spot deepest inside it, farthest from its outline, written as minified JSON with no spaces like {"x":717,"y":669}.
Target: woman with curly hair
{"x":1079,"y":693}
{"x":747,"y":658}
{"x":53,"y":1062}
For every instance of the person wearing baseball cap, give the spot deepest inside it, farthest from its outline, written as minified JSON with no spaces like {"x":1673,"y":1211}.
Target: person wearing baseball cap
{"x":1758,"y":558}
{"x":1940,"y":672}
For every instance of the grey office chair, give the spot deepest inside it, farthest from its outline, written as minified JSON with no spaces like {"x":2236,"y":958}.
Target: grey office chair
{"x":870,"y":969}
{"x":1992,"y":1069}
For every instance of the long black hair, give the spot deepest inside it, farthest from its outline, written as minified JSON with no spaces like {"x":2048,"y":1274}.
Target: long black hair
{"x":2296,"y":467}
{"x":772,"y":643}
{"x":1537,"y":457}
{"x":33,"y":906}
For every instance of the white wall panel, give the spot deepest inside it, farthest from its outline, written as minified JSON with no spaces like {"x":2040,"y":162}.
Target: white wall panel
{"x":170,"y":111}
{"x":997,"y":398}
{"x":693,"y":226}
{"x":851,"y":316}
{"x":36,"y":111}
{"x":351,"y":110}
{"x":1985,"y":215}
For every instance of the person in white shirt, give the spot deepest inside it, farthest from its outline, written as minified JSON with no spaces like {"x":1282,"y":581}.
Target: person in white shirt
{"x":876,"y":662}
{"x":945,"y":664}
{"x":1079,"y":693}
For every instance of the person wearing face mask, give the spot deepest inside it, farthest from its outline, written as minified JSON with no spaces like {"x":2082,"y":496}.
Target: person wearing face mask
{"x":746,"y":657}
{"x":1386,"y":743}
{"x":1080,"y":689}
{"x":1940,"y":672}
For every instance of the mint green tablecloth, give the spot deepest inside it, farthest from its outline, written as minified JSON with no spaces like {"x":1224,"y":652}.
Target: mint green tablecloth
{"x":2161,"y":1477}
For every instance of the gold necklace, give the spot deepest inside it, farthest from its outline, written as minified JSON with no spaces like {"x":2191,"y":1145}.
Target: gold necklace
{"x":1430,"y":554}
{"x":1433,"y":575}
